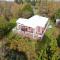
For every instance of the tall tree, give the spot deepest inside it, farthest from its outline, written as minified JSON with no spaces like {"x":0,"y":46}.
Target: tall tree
{"x":19,"y":1}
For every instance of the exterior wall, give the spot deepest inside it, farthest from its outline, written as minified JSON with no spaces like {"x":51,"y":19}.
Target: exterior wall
{"x":28,"y":33}
{"x":39,"y":32}
{"x":42,"y":31}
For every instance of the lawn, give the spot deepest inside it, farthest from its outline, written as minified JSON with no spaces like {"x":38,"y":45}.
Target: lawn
{"x":30,"y":46}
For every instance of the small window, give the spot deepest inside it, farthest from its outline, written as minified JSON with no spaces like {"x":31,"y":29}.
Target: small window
{"x":30,"y":30}
{"x":23,"y":28}
{"x":38,"y":29}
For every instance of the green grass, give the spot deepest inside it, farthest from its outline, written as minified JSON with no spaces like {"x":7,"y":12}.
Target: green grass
{"x":13,"y":20}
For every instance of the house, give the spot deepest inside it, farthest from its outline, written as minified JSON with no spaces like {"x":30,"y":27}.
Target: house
{"x":34,"y":27}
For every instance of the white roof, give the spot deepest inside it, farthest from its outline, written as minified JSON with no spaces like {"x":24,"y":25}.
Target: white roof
{"x":33,"y":21}
{"x":21,"y":20}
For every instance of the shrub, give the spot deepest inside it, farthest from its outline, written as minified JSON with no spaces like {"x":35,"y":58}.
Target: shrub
{"x":26,"y":11}
{"x":58,"y":41}
{"x":57,"y":14}
{"x":5,"y":26}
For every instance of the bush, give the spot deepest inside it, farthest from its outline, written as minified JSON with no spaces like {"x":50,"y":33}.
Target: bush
{"x":26,"y":11}
{"x":53,"y":18}
{"x":58,"y":41}
{"x":57,"y":14}
{"x":5,"y":26}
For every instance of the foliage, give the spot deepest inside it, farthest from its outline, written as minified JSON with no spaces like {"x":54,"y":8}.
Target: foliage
{"x":48,"y":50}
{"x":26,"y":11}
{"x":18,"y":1}
{"x":58,"y":41}
{"x":5,"y":26}
{"x":15,"y":10}
{"x":33,"y":2}
{"x":5,"y":10}
{"x":22,"y":44}
{"x":35,"y":49}
{"x":39,"y":50}
{"x":57,"y":14}
{"x":15,"y":55}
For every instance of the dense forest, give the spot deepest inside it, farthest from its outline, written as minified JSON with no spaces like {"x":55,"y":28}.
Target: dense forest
{"x":16,"y":47}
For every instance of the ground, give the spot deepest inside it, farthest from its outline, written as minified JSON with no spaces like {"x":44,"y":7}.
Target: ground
{"x":31,"y":47}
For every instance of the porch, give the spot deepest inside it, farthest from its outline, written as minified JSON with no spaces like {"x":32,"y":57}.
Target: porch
{"x":30,"y":34}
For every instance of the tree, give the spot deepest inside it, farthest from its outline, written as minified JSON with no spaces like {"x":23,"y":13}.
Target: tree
{"x":58,"y":41}
{"x":33,"y":2}
{"x":19,"y":1}
{"x":57,"y":14}
{"x":26,"y":11}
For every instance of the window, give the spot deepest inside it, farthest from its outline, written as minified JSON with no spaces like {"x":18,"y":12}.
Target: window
{"x":23,"y":28}
{"x":39,"y":30}
{"x":30,"y":29}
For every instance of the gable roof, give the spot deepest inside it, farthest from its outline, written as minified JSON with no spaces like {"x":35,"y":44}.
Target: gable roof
{"x":33,"y":21}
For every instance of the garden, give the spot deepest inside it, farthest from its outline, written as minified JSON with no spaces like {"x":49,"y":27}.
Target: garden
{"x":29,"y":49}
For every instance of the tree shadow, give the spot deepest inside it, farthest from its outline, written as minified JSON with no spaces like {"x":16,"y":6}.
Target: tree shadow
{"x":6,"y":30}
{"x":16,"y":55}
{"x":58,"y":41}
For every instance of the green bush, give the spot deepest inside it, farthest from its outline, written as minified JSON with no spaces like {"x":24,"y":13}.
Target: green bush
{"x":26,"y":11}
{"x":57,"y":14}
{"x":5,"y":26}
{"x":58,"y":41}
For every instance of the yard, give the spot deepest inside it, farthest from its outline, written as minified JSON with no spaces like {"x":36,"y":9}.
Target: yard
{"x":47,"y":49}
{"x":36,"y":48}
